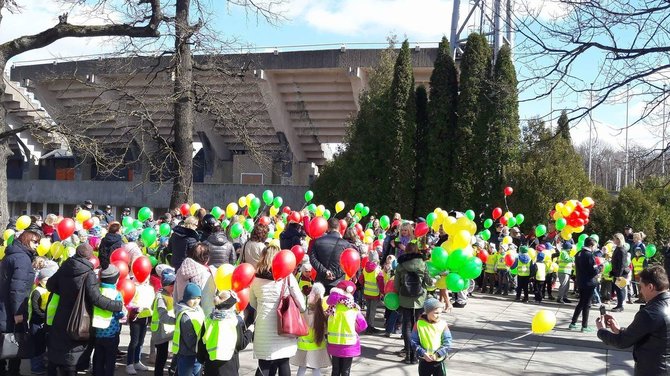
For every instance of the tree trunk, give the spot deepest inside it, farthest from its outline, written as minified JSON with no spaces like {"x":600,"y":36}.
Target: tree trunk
{"x":182,"y":188}
{"x":4,"y":153}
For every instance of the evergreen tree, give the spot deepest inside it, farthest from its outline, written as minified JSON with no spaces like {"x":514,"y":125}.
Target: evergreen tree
{"x":440,"y":142}
{"x":422,"y":134}
{"x":564,"y":126}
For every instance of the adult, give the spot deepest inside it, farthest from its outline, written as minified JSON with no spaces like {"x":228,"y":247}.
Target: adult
{"x":16,"y":280}
{"x":251,"y":250}
{"x":110,"y":242}
{"x":107,"y":216}
{"x":628,"y":235}
{"x":74,"y":274}
{"x":272,"y":350}
{"x":292,"y":235}
{"x":221,"y":251}
{"x":586,"y":272}
{"x":619,"y":269}
{"x":88,"y":205}
{"x":183,"y":238}
{"x":650,"y":330}
{"x":207,"y":226}
{"x":411,"y":281}
{"x":325,"y":256}
{"x":194,"y":269}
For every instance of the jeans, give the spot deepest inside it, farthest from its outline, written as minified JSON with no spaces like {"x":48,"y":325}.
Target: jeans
{"x":620,"y":295}
{"x":583,"y":307}
{"x":370,"y":312}
{"x":551,"y":277}
{"x":341,"y":366}
{"x":503,"y":281}
{"x":104,"y":357}
{"x":37,"y":363}
{"x":539,"y":290}
{"x":596,"y":295}
{"x":431,"y":368}
{"x":409,"y":317}
{"x":188,"y":365}
{"x":489,"y":280}
{"x":279,"y":367}
{"x":138,"y":329}
{"x":564,"y":280}
{"x":10,"y":366}
{"x":161,"y":358}
{"x":58,"y":370}
{"x":522,"y":286}
{"x":391,"y":321}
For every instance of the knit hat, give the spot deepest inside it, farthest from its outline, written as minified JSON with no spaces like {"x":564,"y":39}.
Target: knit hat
{"x":109,"y":275}
{"x":432,"y":304}
{"x":318,"y":291}
{"x":133,"y":236}
{"x":540,"y":257}
{"x":45,"y":273}
{"x":566,"y":246}
{"x":548,"y":246}
{"x":225,"y":299}
{"x":523,"y":249}
{"x":168,"y":277}
{"x":347,"y":286}
{"x":84,"y":250}
{"x":191,"y":291}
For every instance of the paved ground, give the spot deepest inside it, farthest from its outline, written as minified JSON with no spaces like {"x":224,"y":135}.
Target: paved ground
{"x":482,"y":332}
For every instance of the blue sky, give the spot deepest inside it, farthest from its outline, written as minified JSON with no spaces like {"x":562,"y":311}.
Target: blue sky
{"x":338,"y":21}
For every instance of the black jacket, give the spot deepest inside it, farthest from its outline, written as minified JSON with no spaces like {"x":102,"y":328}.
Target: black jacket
{"x":649,"y":334}
{"x":16,"y":280}
{"x":181,"y":240}
{"x":618,"y":262}
{"x":291,"y":236}
{"x":325,"y":256}
{"x":74,"y":273}
{"x":221,"y":251}
{"x":108,"y":244}
{"x":585,"y":269}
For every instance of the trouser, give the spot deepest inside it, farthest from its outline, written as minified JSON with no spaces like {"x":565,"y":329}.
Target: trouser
{"x":138,"y":329}
{"x":302,"y":371}
{"x":409,"y":317}
{"x":503,"y":281}
{"x":634,"y":283}
{"x":564,"y":280}
{"x":583,"y":307}
{"x":391,"y":321}
{"x":431,"y":368}
{"x":620,"y":295}
{"x":104,"y":357}
{"x":551,"y":277}
{"x":279,"y":367}
{"x":596,"y":295}
{"x":59,"y":370}
{"x":85,"y":359}
{"x":629,"y":290}
{"x":341,"y":366}
{"x":188,"y":365}
{"x":38,"y":334}
{"x":462,"y":296}
{"x":539,"y":290}
{"x":606,"y":290}
{"x":489,"y":280}
{"x":522,"y":286}
{"x":370,"y":312}
{"x":10,"y":366}
{"x":161,"y":358}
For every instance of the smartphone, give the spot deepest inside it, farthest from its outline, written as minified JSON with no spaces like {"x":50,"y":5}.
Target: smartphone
{"x":603,"y":310}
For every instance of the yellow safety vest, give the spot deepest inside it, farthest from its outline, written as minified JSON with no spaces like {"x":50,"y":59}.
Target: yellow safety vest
{"x":197,"y":317}
{"x":541,"y":272}
{"x":491,"y":263}
{"x":370,"y":287}
{"x":387,"y":277}
{"x":307,"y":343}
{"x":44,"y":299}
{"x":103,"y":318}
{"x":523,"y":268}
{"x":302,"y":283}
{"x":144,"y":293}
{"x":430,"y":335}
{"x":220,"y":338}
{"x":564,"y":263}
{"x":638,"y":265}
{"x":606,"y":276}
{"x":342,"y":326}
{"x":155,"y":316}
{"x":501,"y":262}
{"x":52,"y":307}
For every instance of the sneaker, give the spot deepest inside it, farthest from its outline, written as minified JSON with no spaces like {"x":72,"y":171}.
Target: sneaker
{"x":140,"y":367}
{"x":572,"y":327}
{"x":387,"y":335}
{"x":587,"y":329}
{"x":130,"y":370}
{"x":617,"y":309}
{"x":566,"y":300}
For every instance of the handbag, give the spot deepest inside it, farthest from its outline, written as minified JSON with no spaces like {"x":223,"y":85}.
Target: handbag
{"x":79,"y":324}
{"x":16,"y":345}
{"x":290,"y":322}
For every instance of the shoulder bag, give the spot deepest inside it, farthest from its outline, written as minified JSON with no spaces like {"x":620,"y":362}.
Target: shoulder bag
{"x":290,"y":322}
{"x":79,"y":323}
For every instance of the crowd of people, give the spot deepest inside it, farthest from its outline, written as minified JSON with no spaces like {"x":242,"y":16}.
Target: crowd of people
{"x":207,"y":327}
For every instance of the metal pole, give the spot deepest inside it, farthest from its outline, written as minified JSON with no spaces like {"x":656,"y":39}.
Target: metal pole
{"x":626,"y":166}
{"x":663,"y":146}
{"x":590,"y":130}
{"x":455,"y":15}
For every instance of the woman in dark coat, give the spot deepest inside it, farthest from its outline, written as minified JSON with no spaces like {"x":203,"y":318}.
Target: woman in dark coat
{"x":63,"y":352}
{"x":109,"y":244}
{"x":16,"y":281}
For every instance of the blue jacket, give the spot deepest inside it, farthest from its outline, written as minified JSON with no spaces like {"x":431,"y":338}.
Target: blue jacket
{"x":114,"y":328}
{"x":16,"y":280}
{"x":445,"y":346}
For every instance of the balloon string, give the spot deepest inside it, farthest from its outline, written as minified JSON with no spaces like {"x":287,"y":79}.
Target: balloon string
{"x":506,"y":207}
{"x":492,"y":344}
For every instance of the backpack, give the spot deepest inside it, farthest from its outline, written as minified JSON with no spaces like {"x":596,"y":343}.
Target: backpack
{"x":412,"y":285}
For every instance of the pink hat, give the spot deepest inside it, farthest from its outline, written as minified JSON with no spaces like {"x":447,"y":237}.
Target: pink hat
{"x":347,"y":286}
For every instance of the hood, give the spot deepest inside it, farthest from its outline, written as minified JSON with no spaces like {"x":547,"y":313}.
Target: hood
{"x":189,"y":269}
{"x":222,"y":314}
{"x":184,"y":232}
{"x":370,"y":266}
{"x":179,"y":307}
{"x":75,"y":266}
{"x":412,"y":262}
{"x":523,"y":257}
{"x":338,"y":296}
{"x":112,"y":238}
{"x":17,"y":248}
{"x":217,"y":238}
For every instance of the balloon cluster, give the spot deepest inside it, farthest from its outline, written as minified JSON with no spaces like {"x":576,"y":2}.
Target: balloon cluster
{"x":454,"y":260}
{"x":236,"y":278}
{"x":571,"y":216}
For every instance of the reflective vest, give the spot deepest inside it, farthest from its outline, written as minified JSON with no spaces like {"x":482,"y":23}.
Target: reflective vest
{"x":144,"y":294}
{"x":638,"y":265}
{"x":302,"y":283}
{"x":155,"y":316}
{"x":342,"y":326}
{"x":197,"y":317}
{"x":307,"y":343}
{"x":387,"y":277}
{"x":430,"y":335}
{"x":547,"y":263}
{"x":370,"y":287}
{"x":51,"y":308}
{"x":607,"y":276}
{"x":220,"y":338}
{"x":523,"y":268}
{"x":541,"y":272}
{"x":491,"y":263}
{"x":564,"y":263}
{"x":44,"y":299}
{"x":501,"y":262}
{"x":103,"y":318}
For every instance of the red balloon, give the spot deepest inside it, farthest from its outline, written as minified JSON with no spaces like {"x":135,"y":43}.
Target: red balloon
{"x":298,"y":252}
{"x":350,"y":261}
{"x":65,"y":228}
{"x":264,"y":220}
{"x":127,"y":289}
{"x":508,"y":191}
{"x":242,"y":276}
{"x":364,"y":261}
{"x":123,"y":269}
{"x":359,"y":227}
{"x":390,"y":287}
{"x":185,"y":209}
{"x":243,"y":299}
{"x":317,"y":227}
{"x":343,"y":226}
{"x":312,"y":274}
{"x":483,"y":255}
{"x":509,"y":259}
{"x":295,"y":217}
{"x":142,"y":268}
{"x":421,"y":229}
{"x":497,"y":212}
{"x":120,"y":254}
{"x":503,"y":220}
{"x":88,"y":224}
{"x":283,"y":264}
{"x":599,"y":261}
{"x":286,"y":210}
{"x":94,"y":260}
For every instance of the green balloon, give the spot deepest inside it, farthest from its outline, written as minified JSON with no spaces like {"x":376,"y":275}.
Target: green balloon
{"x":439,"y":257}
{"x":249,"y":224}
{"x":365,"y":211}
{"x":513,"y":271}
{"x":430,"y":218}
{"x":164,"y":229}
{"x":582,"y":238}
{"x":284,"y":217}
{"x":236,"y":230}
{"x":456,"y":260}
{"x":511,"y":222}
{"x":384,"y":222}
{"x":486,"y":234}
{"x":268,"y":196}
{"x":520,"y":218}
{"x":326,"y":214}
{"x":127,"y":222}
{"x":607,"y":269}
{"x":540,"y":230}
{"x":217,"y":212}
{"x":432,"y":269}
{"x":253,"y":212}
{"x":488,"y":223}
{"x":650,"y":251}
{"x":225,"y":223}
{"x":271,"y":234}
{"x":255,"y":204}
{"x":561,"y":223}
{"x":380,"y":236}
{"x":277,"y":202}
{"x":137,"y":224}
{"x":359,"y":207}
{"x":472,"y":268}
{"x":149,"y":236}
{"x":470,"y":214}
{"x":144,"y":214}
{"x":579,"y":245}
{"x":455,"y":282}
{"x":311,"y":208}
{"x":154,"y":261}
{"x":392,"y":301}
{"x":309,"y":195}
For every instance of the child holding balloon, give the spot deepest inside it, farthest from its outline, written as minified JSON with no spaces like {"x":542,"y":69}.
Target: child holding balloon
{"x":140,"y":308}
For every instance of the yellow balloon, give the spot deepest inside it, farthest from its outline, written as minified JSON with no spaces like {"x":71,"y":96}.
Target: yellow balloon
{"x":443,"y":215}
{"x":472,"y":227}
{"x":462,"y":223}
{"x":557,"y":215}
{"x":587,"y":201}
{"x":436,"y":226}
{"x":275,"y":242}
{"x":2,"y":251}
{"x":369,"y":232}
{"x":320,"y":210}
{"x":223,"y":277}
{"x":573,"y":252}
{"x":194,"y":208}
{"x":280,"y":226}
{"x":579,"y":229}
{"x":7,"y":234}
{"x":23,"y":222}
{"x":231,"y":210}
{"x":250,"y":197}
{"x":54,"y":248}
{"x":274,"y":211}
{"x":367,"y":240}
{"x":83,"y":216}
{"x":441,"y":283}
{"x":559,"y":207}
{"x":449,"y":225}
{"x":339,"y":206}
{"x":543,"y":322}
{"x":554,"y":267}
{"x":566,"y":235}
{"x":507,"y":240}
{"x":608,"y":246}
{"x":242,"y":201}
{"x":276,"y":235}
{"x":566,"y":211}
{"x":43,"y":247}
{"x":532,"y":253}
{"x":508,"y":215}
{"x":461,"y":239}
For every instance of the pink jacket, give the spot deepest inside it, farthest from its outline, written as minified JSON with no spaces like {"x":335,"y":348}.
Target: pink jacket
{"x":370,"y":267}
{"x":336,"y":297}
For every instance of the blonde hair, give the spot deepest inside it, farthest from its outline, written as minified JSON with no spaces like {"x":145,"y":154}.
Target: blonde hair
{"x":191,"y":222}
{"x":265,"y":263}
{"x":50,"y":219}
{"x":619,"y":238}
{"x":639,"y":236}
{"x":39,"y":263}
{"x":407,"y":226}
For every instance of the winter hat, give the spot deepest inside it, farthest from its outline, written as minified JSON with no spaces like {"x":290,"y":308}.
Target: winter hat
{"x":523,"y":249}
{"x":191,"y":291}
{"x":548,"y":246}
{"x":318,"y":291}
{"x":347,"y":287}
{"x":540,"y":257}
{"x":432,"y":304}
{"x":45,"y":273}
{"x":566,"y":246}
{"x":225,"y":299}
{"x":133,"y":236}
{"x":168,"y":277}
{"x":84,"y":250}
{"x":109,"y":275}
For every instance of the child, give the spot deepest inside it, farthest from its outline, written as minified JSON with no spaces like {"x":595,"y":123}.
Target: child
{"x":639,"y":264}
{"x":522,"y":264}
{"x":432,"y":339}
{"x":163,"y":320}
{"x":540,"y":274}
{"x":391,"y":316}
{"x":224,"y":336}
{"x":345,"y":321}
{"x":107,"y":325}
{"x":503,"y":271}
{"x":373,"y":288}
{"x":138,"y":321}
{"x":312,"y":347}
{"x":36,"y":317}
{"x":490,"y":269}
{"x":190,"y":319}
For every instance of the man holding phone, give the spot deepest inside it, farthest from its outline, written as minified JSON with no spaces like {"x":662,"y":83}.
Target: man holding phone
{"x":650,"y":330}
